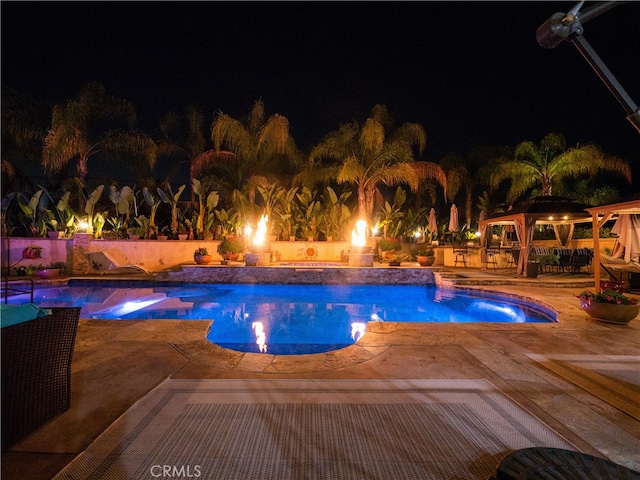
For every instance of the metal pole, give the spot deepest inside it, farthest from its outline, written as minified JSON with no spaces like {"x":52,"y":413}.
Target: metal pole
{"x":584,"y":47}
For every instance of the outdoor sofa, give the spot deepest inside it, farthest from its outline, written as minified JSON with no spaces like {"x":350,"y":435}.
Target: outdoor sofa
{"x":36,"y":367}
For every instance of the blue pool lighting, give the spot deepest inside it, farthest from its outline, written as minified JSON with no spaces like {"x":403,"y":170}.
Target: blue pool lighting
{"x":285,"y":319}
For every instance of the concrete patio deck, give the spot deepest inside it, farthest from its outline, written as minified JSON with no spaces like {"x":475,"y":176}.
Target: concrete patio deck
{"x":116,"y":363}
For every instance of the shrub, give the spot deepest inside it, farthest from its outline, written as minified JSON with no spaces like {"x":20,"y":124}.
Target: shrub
{"x":387,"y":244}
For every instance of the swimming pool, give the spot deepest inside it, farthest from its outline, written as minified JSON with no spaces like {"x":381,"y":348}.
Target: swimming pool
{"x":285,"y":319}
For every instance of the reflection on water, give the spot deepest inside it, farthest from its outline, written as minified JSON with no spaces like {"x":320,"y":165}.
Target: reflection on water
{"x":261,"y":336}
{"x":285,"y":319}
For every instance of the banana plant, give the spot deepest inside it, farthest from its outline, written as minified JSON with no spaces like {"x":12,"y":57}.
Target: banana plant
{"x":270,"y":194}
{"x":31,"y":209}
{"x":283,"y":213}
{"x":391,"y":215}
{"x":99,"y":220}
{"x":172,"y":199}
{"x":90,"y":206}
{"x":121,"y":200}
{"x":310,"y":212}
{"x":228,"y":220}
{"x":335,"y":213}
{"x":153,"y":203}
{"x":196,"y":188}
{"x":65,"y":218}
{"x":212,"y":202}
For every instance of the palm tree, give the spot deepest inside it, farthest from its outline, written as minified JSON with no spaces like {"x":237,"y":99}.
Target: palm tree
{"x":370,"y":155}
{"x":244,"y":151}
{"x":94,"y":122}
{"x":24,"y":126}
{"x":550,"y":163}
{"x":182,"y":136}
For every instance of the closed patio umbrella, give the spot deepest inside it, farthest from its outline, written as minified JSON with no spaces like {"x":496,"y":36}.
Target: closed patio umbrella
{"x":453,"y":219}
{"x":433,"y":224}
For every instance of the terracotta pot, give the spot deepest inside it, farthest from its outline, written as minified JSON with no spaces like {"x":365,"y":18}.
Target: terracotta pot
{"x":203,"y":259}
{"x":425,"y":261}
{"x":610,"y":312}
{"x":49,"y":273}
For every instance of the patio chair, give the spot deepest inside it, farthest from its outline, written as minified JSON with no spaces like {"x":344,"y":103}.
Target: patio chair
{"x":581,"y":258}
{"x":460,"y":251}
{"x":564,"y":258}
{"x":36,"y":371}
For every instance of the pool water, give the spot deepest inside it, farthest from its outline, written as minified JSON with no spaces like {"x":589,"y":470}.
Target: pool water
{"x":285,"y":319}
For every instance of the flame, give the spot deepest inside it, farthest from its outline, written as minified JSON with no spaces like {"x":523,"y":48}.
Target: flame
{"x":261,"y":232}
{"x":359,"y":234}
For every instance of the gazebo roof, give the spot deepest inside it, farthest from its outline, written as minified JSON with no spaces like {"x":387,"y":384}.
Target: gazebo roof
{"x":627,"y":205}
{"x":545,"y":209}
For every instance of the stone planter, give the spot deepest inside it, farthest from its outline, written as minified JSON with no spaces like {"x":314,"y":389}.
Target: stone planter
{"x":203,"y":259}
{"x":610,"y":312}
{"x":49,"y":273}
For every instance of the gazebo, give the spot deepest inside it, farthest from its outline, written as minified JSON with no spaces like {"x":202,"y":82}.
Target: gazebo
{"x":599,"y":215}
{"x":561,"y":212}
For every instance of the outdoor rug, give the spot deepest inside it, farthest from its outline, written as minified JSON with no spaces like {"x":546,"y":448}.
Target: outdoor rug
{"x":314,"y":429}
{"x":612,"y":378}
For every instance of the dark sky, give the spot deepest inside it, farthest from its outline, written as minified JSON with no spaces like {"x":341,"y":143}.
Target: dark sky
{"x":470,"y":73}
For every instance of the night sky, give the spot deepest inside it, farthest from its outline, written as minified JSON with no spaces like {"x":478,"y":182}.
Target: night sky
{"x":470,"y":73}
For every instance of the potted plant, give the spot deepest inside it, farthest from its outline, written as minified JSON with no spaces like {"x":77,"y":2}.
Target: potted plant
{"x":533,"y":266}
{"x":51,"y":270}
{"x":396,"y":260}
{"x":136,"y":233}
{"x":426,"y":257}
{"x":389,"y":246}
{"x":230,"y":248}
{"x":548,"y":260}
{"x":609,"y":306}
{"x":201,"y":256}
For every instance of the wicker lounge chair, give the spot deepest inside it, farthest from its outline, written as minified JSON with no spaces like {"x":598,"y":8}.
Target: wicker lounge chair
{"x":36,"y":372}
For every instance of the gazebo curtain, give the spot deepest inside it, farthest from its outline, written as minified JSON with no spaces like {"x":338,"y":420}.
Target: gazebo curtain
{"x":524,"y":231}
{"x":564,"y":233}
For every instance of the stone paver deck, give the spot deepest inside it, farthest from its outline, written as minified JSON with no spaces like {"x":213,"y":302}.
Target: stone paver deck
{"x":116,"y":363}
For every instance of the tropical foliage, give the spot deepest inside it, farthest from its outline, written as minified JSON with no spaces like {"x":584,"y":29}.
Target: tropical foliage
{"x":371,"y":154}
{"x":550,"y":163}
{"x":92,"y":123}
{"x":241,"y":168}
